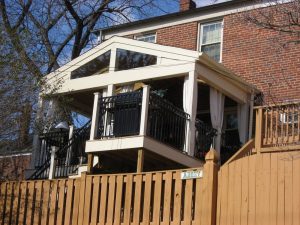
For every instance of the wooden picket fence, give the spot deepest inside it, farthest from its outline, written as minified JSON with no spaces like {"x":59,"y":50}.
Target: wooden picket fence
{"x":260,"y":189}
{"x":120,"y":199}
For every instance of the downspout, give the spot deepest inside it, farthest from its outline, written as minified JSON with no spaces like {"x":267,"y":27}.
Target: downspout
{"x":251,"y":116}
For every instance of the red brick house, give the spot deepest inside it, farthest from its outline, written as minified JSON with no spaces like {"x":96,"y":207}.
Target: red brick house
{"x":159,"y":92}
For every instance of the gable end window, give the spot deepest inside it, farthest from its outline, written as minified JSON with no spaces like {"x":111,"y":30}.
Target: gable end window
{"x":151,"y":38}
{"x":126,"y":59}
{"x":211,"y":39}
{"x":98,"y":65}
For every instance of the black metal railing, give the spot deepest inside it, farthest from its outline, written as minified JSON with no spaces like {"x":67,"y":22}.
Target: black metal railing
{"x":46,"y":141}
{"x":70,"y":153}
{"x":204,"y":139}
{"x":166,"y":122}
{"x":120,"y":115}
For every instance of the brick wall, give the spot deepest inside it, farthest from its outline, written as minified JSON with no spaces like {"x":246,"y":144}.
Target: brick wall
{"x":13,"y":167}
{"x":181,"y":36}
{"x":252,"y":53}
{"x":257,"y":55}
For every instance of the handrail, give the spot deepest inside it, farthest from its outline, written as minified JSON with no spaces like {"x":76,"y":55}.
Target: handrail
{"x":246,"y":150}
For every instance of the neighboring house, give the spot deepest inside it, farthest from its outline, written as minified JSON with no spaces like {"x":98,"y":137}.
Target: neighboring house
{"x":159,"y":92}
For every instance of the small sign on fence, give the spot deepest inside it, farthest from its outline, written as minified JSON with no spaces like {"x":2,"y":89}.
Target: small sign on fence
{"x":192,"y":174}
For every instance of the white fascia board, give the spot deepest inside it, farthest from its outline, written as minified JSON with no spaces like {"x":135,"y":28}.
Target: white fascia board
{"x":215,"y":14}
{"x":221,"y":83}
{"x":126,"y":76}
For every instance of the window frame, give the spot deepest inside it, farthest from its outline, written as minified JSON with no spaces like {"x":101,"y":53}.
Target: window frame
{"x":136,"y":37}
{"x":200,"y":35}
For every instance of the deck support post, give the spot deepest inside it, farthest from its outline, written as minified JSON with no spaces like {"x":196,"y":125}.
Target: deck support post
{"x":95,"y":116}
{"x":52,"y":163}
{"x":192,"y":95}
{"x":90,"y":163}
{"x":144,"y":110}
{"x":140,"y":161}
{"x":258,"y":130}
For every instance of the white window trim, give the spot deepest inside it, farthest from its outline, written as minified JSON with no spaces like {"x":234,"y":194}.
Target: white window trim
{"x":285,"y":118}
{"x":136,"y":37}
{"x":200,"y":34}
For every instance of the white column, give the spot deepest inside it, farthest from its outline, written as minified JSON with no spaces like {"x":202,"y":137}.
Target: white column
{"x":95,"y":116}
{"x":192,"y":111}
{"x":144,"y":110}
{"x":112,"y":63}
{"x":52,"y":163}
{"x":69,"y":152}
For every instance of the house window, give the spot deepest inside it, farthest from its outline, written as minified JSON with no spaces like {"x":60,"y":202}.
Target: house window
{"x":126,"y":60}
{"x":211,"y":39}
{"x":147,"y":38}
{"x":98,"y":65}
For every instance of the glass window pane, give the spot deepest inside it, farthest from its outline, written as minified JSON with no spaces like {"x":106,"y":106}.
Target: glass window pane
{"x":212,"y":51}
{"x":129,"y":59}
{"x":147,"y":38}
{"x":98,"y":65}
{"x":211,"y":33}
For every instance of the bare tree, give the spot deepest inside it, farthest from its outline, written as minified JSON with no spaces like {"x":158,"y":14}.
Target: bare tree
{"x":279,"y":16}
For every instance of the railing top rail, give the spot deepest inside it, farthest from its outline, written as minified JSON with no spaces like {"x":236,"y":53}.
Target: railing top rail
{"x":168,"y":105}
{"x":278,"y":105}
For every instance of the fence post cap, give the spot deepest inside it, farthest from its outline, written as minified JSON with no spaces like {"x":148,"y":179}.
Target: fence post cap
{"x":212,"y":155}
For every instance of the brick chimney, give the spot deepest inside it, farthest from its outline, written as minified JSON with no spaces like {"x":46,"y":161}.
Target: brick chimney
{"x":187,"y":5}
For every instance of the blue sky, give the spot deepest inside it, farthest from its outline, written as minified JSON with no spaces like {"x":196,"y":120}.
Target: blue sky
{"x":207,"y":2}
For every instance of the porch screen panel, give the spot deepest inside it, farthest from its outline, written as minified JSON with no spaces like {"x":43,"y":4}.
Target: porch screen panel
{"x":126,"y":60}
{"x":98,"y":65}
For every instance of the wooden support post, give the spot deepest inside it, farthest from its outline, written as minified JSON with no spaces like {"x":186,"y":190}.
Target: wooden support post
{"x":90,"y":163}
{"x":140,"y":161}
{"x":144,"y":111}
{"x":52,"y":163}
{"x":258,"y":130}
{"x":95,"y":116}
{"x":210,"y":188}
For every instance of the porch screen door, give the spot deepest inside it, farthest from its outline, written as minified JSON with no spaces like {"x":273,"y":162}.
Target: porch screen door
{"x":243,"y":118}
{"x":217,"y":100}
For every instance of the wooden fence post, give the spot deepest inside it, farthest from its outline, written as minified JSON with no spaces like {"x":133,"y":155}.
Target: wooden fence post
{"x":258,"y":130}
{"x":210,"y":188}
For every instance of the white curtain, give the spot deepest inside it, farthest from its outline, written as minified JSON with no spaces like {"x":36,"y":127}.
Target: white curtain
{"x":243,"y":121}
{"x":186,"y":94}
{"x":217,"y":113}
{"x":126,"y":88}
{"x":190,"y":87}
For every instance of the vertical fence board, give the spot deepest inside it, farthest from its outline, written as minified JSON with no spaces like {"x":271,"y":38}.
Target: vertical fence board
{"x":288,"y":191}
{"x":103,"y":200}
{"x":45,"y":202}
{"x":69,"y":199}
{"x":244,"y":190}
{"x":77,"y":184}
{"x":280,"y":212}
{"x":157,"y":199}
{"x":87,"y":200}
{"x":137,"y":199}
{"x":296,"y":191}
{"x":273,"y":190}
{"x":23,"y":202}
{"x":117,"y":217}
{"x":177,"y":199}
{"x":237,"y":193}
{"x":188,"y":194}
{"x":96,"y":191}
{"x":61,"y":202}
{"x":53,"y":205}
{"x":15,"y":210}
{"x":167,"y":198}
{"x":81,"y":199}
{"x":127,"y":208}
{"x":111,"y":200}
{"x":147,"y":199}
